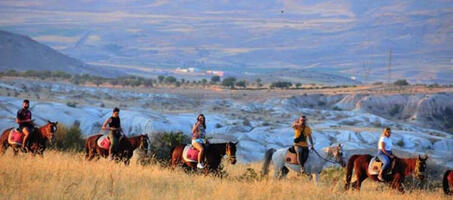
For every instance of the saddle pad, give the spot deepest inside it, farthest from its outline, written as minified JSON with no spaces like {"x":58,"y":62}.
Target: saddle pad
{"x":375,"y":166}
{"x":104,"y":142}
{"x":15,"y":137}
{"x":190,"y":154}
{"x":291,"y":157}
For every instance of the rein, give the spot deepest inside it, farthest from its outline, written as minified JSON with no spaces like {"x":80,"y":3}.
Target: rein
{"x":334,"y":162}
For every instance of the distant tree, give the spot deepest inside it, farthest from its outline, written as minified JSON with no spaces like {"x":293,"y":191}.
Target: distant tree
{"x":170,"y":80}
{"x":183,"y":81}
{"x":298,"y":85}
{"x":113,"y":81}
{"x":242,"y":84}
{"x":215,"y":79}
{"x":97,"y":81}
{"x":258,"y":82}
{"x":281,"y":84}
{"x":148,"y":83}
{"x":161,"y":78}
{"x":401,"y":82}
{"x":229,"y":82}
{"x":204,"y":81}
{"x":178,"y":84}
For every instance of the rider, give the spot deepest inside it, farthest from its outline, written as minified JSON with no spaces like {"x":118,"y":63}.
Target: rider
{"x":385,"y":151}
{"x":23,"y":118}
{"x":198,"y":138}
{"x":301,"y":132}
{"x":114,"y":124}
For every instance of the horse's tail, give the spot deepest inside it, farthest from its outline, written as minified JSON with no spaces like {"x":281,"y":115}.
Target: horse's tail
{"x":87,"y":149}
{"x":349,"y":169}
{"x":445,"y":184}
{"x":267,"y":160}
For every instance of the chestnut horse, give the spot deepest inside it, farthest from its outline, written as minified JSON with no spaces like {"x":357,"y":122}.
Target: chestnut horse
{"x":126,"y":148}
{"x":403,"y":167}
{"x":37,"y":141}
{"x":213,"y":156}
{"x":447,"y":182}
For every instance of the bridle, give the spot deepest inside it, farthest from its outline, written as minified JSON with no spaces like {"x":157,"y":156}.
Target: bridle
{"x":328,"y":160}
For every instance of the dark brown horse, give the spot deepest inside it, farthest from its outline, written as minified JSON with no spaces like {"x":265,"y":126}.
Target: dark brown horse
{"x":447,"y":182}
{"x":37,"y":142}
{"x":126,"y":148}
{"x":213,"y":156}
{"x":403,"y":167}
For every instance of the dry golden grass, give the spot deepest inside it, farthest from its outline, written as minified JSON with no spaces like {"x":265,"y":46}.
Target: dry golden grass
{"x":67,"y":176}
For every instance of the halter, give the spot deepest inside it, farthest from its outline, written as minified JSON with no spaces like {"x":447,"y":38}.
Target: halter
{"x":417,"y":168}
{"x":334,"y":162}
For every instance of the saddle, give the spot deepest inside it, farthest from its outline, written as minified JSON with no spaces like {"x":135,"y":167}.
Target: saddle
{"x":15,"y":137}
{"x":104,"y":142}
{"x":190,"y":154}
{"x":375,"y":166}
{"x":291,"y":156}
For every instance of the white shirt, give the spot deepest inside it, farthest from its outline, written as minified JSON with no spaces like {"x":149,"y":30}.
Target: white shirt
{"x":387,"y":141}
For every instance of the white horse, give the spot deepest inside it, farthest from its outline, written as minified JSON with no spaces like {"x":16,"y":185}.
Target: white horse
{"x":314,"y":164}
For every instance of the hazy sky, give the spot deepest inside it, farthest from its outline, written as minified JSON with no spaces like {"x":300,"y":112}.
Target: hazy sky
{"x":252,"y":34}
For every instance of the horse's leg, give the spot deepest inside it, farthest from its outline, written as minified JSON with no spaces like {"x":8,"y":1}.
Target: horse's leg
{"x":284,"y":171}
{"x":3,"y":148}
{"x":16,"y":151}
{"x":315,"y":178}
{"x":396,"y":183}
{"x":361,"y":176}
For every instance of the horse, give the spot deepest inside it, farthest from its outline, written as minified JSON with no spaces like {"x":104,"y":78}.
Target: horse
{"x":37,"y":141}
{"x":447,"y":182}
{"x":403,"y":167}
{"x":213,"y":156}
{"x":313,"y":165}
{"x":126,"y":148}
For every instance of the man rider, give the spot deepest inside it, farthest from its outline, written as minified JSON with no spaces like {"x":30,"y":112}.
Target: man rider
{"x":115,"y":130}
{"x":301,"y":132}
{"x":25,"y":122}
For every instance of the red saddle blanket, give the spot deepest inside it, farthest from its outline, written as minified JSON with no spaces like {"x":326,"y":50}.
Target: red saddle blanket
{"x":104,"y":142}
{"x":190,"y":154}
{"x":15,"y":137}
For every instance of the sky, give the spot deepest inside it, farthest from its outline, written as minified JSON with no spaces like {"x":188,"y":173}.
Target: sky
{"x":345,"y":37}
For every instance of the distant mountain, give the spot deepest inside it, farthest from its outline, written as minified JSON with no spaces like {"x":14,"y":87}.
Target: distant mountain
{"x":22,"y":53}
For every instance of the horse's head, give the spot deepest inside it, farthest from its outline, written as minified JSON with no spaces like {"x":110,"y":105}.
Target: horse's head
{"x":144,"y":142}
{"x":337,"y":153}
{"x":420,"y":167}
{"x":48,"y":131}
{"x":231,"y":151}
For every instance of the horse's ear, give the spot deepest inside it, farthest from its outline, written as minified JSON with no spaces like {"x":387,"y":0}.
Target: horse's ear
{"x":56,"y":123}
{"x":48,"y":121}
{"x":426,"y":157}
{"x":236,"y":143}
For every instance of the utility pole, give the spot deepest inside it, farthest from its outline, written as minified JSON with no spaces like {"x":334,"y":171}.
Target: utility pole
{"x":389,"y":67}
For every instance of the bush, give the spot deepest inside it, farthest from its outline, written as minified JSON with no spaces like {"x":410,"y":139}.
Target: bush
{"x":281,"y":84}
{"x":69,"y":139}
{"x":215,"y":79}
{"x":242,"y":84}
{"x":401,"y":82}
{"x":229,"y":82}
{"x":161,"y":144}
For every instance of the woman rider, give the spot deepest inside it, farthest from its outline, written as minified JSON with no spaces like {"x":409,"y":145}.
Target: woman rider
{"x":114,"y":125}
{"x":301,"y":132}
{"x":385,"y":151}
{"x":198,"y":138}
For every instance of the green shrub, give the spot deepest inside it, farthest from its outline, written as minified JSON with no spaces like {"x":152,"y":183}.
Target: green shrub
{"x":69,"y":139}
{"x":162,"y":143}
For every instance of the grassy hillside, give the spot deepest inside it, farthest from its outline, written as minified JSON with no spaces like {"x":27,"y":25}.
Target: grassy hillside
{"x":67,"y":176}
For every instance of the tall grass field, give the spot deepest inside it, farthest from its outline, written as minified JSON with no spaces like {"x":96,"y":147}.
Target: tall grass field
{"x":63,"y":175}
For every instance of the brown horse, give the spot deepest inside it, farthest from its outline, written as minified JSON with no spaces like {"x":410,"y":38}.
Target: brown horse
{"x":403,"y":167}
{"x":213,"y":156}
{"x":125,"y":149}
{"x":37,"y":142}
{"x":447,"y":182}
